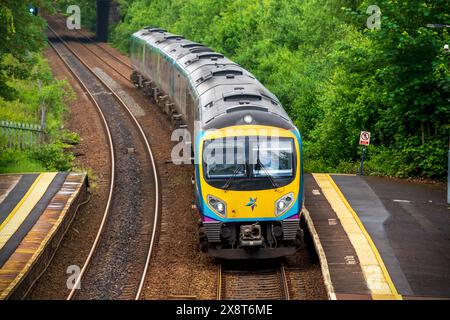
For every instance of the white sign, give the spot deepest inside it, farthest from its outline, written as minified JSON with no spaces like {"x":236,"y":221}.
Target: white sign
{"x":364,"y":138}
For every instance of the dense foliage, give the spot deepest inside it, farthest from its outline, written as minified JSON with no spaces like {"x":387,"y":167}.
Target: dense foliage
{"x":334,"y":76}
{"x":27,"y":85}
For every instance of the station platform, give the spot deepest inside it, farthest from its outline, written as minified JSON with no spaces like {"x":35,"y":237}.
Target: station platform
{"x":379,"y":238}
{"x":35,"y":212}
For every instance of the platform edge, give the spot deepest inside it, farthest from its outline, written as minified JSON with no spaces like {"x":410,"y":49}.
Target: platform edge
{"x":321,"y":254}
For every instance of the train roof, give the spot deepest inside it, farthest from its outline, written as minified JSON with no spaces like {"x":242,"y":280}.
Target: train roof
{"x":226,"y":92}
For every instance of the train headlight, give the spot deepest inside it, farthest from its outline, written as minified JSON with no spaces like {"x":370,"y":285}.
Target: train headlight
{"x":284,"y":203}
{"x":217,"y":205}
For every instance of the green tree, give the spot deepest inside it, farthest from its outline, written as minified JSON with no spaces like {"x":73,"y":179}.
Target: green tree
{"x":20,"y":33}
{"x":332,"y":74}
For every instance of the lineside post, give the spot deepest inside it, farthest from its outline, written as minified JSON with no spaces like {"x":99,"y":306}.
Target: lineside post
{"x":448,"y":177}
{"x":361,"y":168}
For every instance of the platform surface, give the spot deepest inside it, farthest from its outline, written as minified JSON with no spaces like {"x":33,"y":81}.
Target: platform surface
{"x":381,"y":238}
{"x":34,"y":208}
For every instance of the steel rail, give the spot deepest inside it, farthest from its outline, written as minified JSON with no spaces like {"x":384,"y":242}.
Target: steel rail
{"x":112,"y":183}
{"x":106,"y":51}
{"x":284,"y":282}
{"x":281,"y":275}
{"x":219,"y":281}
{"x":155,"y":172}
{"x":101,"y":59}
{"x":97,"y":45}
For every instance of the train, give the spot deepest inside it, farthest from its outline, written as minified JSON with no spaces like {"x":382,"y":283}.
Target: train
{"x":247,"y":152}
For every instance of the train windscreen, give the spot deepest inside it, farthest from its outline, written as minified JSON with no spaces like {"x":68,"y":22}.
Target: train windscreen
{"x":248,"y":162}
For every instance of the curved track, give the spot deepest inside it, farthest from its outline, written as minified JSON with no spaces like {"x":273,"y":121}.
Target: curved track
{"x":117,"y":264}
{"x":82,"y":41}
{"x":278,"y":280}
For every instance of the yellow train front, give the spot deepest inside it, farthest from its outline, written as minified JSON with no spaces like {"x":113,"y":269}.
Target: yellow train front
{"x":249,"y":190}
{"x":248,"y":162}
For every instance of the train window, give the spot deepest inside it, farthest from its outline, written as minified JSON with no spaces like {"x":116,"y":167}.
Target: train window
{"x":171,"y":82}
{"x":272,"y":157}
{"x":158,"y":68}
{"x":141,"y":55}
{"x":148,"y":58}
{"x":165,"y":74}
{"x":225,"y":158}
{"x":256,"y":163}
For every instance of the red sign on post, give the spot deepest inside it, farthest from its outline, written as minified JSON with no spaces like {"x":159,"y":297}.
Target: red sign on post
{"x":364,"y":138}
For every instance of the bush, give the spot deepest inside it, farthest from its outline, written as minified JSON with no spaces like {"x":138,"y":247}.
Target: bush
{"x":14,"y":161}
{"x":33,"y":91}
{"x":53,"y":157}
{"x":334,"y":76}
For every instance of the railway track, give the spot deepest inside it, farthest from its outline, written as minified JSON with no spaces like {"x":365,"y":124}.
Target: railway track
{"x":62,"y":22}
{"x":60,"y":27}
{"x":117,"y":264}
{"x":252,"y":282}
{"x":89,"y":39}
{"x":291,"y":280}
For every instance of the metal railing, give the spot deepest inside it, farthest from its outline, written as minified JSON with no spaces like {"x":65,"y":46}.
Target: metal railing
{"x":20,"y":135}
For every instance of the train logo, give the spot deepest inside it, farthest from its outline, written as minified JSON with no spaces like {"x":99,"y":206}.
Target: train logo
{"x":252,"y":203}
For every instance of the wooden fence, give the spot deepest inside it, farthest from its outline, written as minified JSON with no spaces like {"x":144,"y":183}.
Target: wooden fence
{"x":20,"y":135}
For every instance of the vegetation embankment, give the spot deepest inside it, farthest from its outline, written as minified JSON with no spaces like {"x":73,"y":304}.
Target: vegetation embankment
{"x":28,"y":91}
{"x":334,"y":75}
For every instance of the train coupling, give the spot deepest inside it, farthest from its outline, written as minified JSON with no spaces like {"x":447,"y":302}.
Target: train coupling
{"x":251,"y":236}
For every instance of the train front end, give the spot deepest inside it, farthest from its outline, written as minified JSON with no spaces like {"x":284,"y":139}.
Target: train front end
{"x":249,"y":191}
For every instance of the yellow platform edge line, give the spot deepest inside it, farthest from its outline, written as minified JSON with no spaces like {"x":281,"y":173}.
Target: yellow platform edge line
{"x":26,"y":204}
{"x":19,"y":204}
{"x":37,"y":253}
{"x":389,"y":281}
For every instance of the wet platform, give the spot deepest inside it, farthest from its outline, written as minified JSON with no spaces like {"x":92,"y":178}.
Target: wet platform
{"x":380,"y":238}
{"x":35,"y":212}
